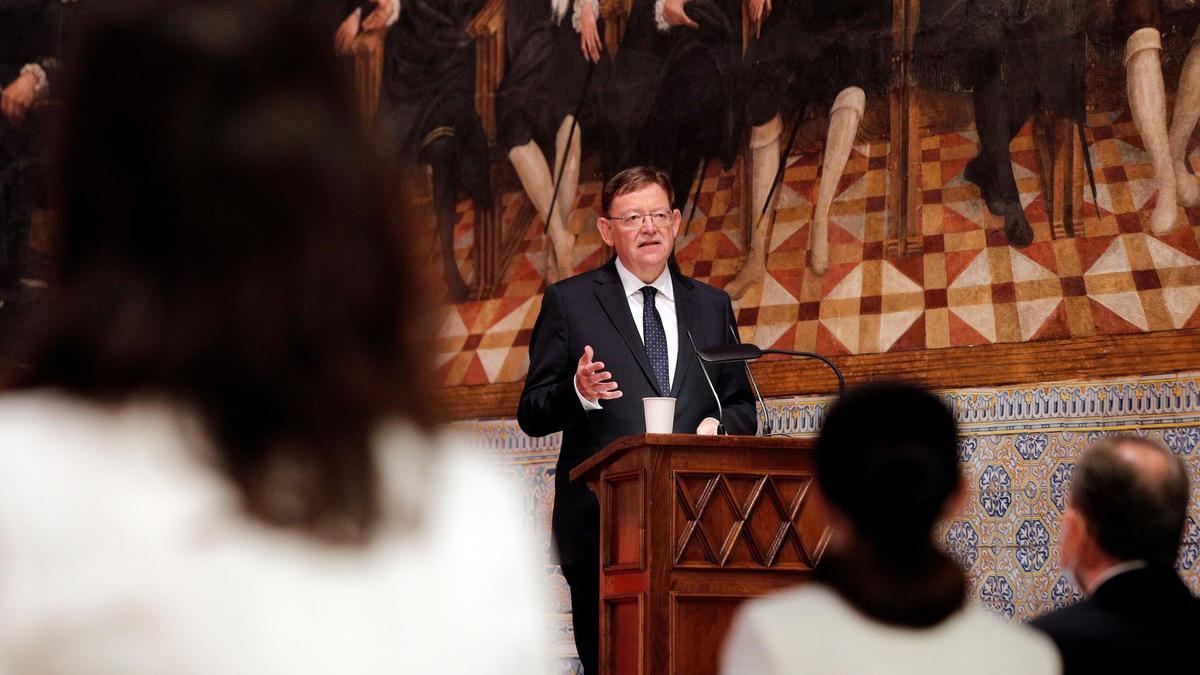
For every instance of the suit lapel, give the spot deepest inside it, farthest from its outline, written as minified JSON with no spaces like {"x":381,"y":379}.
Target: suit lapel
{"x":685,"y":318}
{"x":611,"y":295}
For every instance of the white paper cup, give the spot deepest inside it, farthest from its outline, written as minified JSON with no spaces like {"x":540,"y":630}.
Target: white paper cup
{"x":660,"y":414}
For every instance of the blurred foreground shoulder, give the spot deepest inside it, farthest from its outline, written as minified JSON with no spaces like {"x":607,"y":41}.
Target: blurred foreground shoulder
{"x":471,"y":511}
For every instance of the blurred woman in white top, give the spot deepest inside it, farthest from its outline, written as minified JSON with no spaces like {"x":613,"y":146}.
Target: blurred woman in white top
{"x":885,"y":600}
{"x":214,"y":453}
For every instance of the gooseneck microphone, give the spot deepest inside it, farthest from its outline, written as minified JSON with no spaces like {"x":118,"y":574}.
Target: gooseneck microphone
{"x":744,"y":352}
{"x":720,"y":411}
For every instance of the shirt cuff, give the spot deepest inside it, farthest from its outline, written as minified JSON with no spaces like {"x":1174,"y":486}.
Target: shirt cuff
{"x":659,"y":19}
{"x":577,"y":12}
{"x":395,"y":15}
{"x":587,"y":405}
{"x":35,"y":69}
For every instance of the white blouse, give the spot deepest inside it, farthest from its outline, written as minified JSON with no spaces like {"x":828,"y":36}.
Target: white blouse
{"x":811,"y":629}
{"x":123,"y":551}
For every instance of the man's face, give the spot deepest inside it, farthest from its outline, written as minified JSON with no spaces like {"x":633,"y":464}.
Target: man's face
{"x":642,"y":246}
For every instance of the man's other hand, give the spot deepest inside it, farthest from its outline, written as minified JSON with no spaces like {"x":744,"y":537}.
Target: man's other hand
{"x":343,"y":40}
{"x":379,"y":17}
{"x":592,"y":381}
{"x":708,"y":427}
{"x":18,"y":97}
{"x":589,"y":34}
{"x":758,"y":12}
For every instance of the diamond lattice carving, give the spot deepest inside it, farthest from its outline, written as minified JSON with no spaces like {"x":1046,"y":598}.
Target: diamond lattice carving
{"x":741,"y":520}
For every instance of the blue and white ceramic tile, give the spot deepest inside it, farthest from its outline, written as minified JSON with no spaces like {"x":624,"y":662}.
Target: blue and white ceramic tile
{"x":1018,"y":452}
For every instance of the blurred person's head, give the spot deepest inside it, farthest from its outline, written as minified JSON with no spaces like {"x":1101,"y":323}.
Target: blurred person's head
{"x":887,"y":465}
{"x":229,"y":242}
{"x":1128,"y":503}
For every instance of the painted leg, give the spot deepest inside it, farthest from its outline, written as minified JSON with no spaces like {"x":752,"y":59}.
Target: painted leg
{"x":764,"y":162}
{"x":991,"y":169}
{"x":440,"y":154}
{"x":990,"y":119}
{"x":1183,"y":122}
{"x":1148,"y":104}
{"x":567,"y":160}
{"x":534,"y":173}
{"x":844,"y":117}
{"x":1001,"y":109}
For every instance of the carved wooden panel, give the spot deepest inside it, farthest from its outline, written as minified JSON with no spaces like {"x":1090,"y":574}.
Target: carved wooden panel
{"x":624,"y":497}
{"x":699,"y":622}
{"x":623,"y":633}
{"x":747,"y":520}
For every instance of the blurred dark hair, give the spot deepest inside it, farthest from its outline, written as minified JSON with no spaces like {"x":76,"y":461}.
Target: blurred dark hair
{"x":229,"y":242}
{"x":887,"y":458}
{"x":1132,"y":515}
{"x":631,"y":180}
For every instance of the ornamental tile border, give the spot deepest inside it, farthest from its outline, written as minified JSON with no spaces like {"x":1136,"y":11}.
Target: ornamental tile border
{"x":1160,"y":400}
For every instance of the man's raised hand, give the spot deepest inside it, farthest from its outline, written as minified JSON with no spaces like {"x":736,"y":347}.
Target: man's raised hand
{"x":592,"y":381}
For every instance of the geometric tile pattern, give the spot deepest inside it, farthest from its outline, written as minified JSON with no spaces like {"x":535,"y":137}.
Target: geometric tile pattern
{"x":966,"y":287}
{"x":1017,"y":450}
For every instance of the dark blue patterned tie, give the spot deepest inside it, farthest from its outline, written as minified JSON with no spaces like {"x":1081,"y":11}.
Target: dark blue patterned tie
{"x":656,"y":341}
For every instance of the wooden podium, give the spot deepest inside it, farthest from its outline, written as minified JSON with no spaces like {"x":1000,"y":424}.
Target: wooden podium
{"x":690,"y":526}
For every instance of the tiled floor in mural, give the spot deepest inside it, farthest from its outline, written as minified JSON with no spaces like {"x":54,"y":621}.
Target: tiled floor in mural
{"x":968,"y":287}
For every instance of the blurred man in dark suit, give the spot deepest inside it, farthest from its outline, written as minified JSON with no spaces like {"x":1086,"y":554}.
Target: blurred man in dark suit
{"x":1120,"y":538}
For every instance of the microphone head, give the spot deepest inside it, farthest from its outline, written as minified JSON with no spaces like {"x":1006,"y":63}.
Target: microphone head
{"x":730,"y":353}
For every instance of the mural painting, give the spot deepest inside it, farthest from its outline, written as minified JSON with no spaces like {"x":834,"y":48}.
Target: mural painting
{"x":879,"y":176}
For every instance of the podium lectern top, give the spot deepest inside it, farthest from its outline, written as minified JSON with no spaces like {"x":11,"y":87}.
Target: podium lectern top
{"x":690,"y":441}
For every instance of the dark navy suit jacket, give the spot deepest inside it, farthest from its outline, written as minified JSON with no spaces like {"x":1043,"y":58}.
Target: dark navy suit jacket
{"x":1141,"y":621}
{"x":592,"y":309}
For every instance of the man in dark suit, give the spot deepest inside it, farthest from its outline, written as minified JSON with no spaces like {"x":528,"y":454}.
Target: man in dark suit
{"x":606,"y":339}
{"x":1120,"y":537}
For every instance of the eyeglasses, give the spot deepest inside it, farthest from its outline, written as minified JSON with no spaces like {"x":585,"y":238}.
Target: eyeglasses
{"x":658,"y":218}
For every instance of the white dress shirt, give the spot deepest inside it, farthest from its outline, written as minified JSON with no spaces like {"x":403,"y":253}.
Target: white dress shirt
{"x":664,"y":302}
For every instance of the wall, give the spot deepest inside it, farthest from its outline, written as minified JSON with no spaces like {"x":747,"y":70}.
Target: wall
{"x":1018,"y":450}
